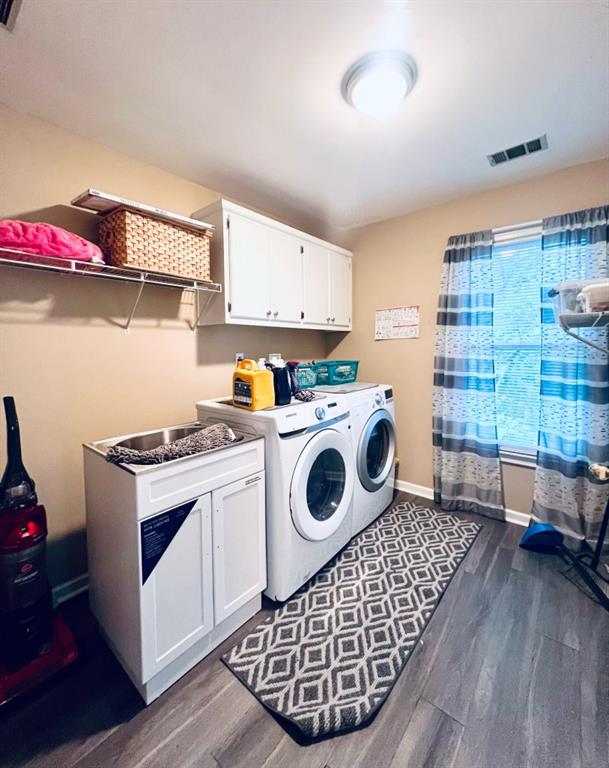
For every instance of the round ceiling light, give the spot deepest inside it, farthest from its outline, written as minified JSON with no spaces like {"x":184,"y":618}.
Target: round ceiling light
{"x":378,"y":82}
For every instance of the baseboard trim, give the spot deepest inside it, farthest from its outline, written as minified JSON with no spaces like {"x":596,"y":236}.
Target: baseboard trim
{"x":518,"y":518}
{"x":68,"y":589}
{"x":416,"y":490}
{"x":511,"y":515}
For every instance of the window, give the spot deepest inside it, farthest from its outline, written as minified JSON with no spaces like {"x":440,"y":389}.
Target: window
{"x":517,"y":328}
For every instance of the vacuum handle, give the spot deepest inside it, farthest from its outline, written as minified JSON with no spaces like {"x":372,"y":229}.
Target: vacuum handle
{"x":13,"y":438}
{"x":10,"y":410}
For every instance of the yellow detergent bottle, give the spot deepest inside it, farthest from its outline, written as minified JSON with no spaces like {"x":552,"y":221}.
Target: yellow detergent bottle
{"x":252,"y":388}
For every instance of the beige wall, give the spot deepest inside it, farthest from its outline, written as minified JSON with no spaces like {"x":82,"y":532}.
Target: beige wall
{"x":399,"y":262}
{"x":75,"y":374}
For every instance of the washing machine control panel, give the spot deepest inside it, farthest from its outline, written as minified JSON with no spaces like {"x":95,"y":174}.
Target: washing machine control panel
{"x":320,"y":413}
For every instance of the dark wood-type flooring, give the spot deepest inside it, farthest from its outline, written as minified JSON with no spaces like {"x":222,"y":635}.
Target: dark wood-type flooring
{"x":512,"y":671}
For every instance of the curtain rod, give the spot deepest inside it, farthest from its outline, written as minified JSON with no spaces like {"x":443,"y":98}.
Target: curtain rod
{"x":517,"y":233}
{"x":516,"y":227}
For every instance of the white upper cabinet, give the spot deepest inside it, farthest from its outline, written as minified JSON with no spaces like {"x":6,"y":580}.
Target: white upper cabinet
{"x":327,"y":287}
{"x":340,"y":289}
{"x":285,"y":279}
{"x":249,"y":266}
{"x":274,"y":275}
{"x":316,"y":304}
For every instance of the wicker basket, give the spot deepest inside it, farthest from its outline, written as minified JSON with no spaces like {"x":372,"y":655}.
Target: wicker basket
{"x":135,"y":241}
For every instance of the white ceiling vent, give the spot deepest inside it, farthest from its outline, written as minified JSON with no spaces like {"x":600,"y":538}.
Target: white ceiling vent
{"x":520,"y":150}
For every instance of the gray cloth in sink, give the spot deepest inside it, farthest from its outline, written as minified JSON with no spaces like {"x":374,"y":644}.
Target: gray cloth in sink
{"x":207,"y":439}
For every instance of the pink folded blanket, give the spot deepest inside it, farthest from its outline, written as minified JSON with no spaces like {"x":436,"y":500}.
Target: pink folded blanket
{"x":47,"y":240}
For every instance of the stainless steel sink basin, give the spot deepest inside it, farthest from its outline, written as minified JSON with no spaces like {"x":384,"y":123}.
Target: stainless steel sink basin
{"x":148,"y":440}
{"x":161,"y":437}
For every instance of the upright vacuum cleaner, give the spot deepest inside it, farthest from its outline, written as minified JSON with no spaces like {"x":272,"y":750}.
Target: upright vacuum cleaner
{"x":543,"y":537}
{"x":33,"y":643}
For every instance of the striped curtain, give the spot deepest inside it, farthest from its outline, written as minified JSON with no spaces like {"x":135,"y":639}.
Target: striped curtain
{"x":466,"y":470}
{"x":574,"y":409}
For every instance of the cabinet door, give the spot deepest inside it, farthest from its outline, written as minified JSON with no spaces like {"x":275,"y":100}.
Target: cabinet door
{"x":239,"y":544}
{"x":315,"y":285}
{"x":249,"y":287}
{"x":176,"y":579}
{"x":340,"y":289}
{"x":285,"y":266}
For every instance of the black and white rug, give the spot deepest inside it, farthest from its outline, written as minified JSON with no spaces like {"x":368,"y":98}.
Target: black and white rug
{"x":329,"y":657}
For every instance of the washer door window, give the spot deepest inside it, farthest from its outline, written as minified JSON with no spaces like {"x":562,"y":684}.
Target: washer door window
{"x":376,"y":451}
{"x":322,"y":485}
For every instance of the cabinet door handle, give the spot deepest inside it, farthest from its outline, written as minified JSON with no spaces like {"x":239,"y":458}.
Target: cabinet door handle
{"x":268,"y":313}
{"x":333,"y":319}
{"x":275,"y":313}
{"x":328,"y":319}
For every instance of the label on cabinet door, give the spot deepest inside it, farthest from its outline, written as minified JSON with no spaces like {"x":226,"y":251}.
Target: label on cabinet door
{"x":157,"y":533}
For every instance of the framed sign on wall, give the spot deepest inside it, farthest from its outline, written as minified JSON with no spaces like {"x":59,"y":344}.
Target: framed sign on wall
{"x":397,"y":323}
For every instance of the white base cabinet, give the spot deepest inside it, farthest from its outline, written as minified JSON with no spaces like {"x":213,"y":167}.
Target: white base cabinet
{"x":239,"y":558}
{"x":177,"y":556}
{"x":274,"y":275}
{"x":176,"y":601}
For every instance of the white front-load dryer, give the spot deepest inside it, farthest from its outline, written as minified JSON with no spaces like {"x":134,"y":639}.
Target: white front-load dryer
{"x":310,"y":478}
{"x":373,"y":437}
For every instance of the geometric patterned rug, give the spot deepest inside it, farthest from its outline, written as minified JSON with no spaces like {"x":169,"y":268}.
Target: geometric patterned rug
{"x":329,"y":657}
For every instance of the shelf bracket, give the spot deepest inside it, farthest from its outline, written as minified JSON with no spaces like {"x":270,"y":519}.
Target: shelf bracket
{"x":590,"y":343}
{"x":200,"y":307}
{"x":140,"y":290}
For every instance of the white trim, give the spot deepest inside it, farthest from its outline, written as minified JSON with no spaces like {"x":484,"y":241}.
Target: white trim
{"x":528,"y":230}
{"x":416,"y":490}
{"x":511,"y":515}
{"x":516,"y":517}
{"x":518,"y":457}
{"x":68,"y":589}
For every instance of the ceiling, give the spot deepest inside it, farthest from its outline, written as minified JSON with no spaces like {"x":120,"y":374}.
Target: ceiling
{"x":244,"y":97}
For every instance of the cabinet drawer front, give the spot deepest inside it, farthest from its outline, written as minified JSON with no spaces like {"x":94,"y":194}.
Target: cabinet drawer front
{"x":239,"y":544}
{"x":176,"y":577}
{"x":194,"y":478}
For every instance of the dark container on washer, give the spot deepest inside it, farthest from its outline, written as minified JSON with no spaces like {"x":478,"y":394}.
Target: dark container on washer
{"x":281,"y":384}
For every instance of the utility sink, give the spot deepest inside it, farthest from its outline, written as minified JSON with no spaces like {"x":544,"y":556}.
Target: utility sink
{"x":152,"y":440}
{"x":145,"y":441}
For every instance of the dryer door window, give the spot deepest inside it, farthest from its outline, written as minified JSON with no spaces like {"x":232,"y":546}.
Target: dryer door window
{"x":326,"y":484}
{"x":376,"y":451}
{"x":322,"y":485}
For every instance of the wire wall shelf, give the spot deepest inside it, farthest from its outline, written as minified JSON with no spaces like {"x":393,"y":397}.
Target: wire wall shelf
{"x":20,"y":259}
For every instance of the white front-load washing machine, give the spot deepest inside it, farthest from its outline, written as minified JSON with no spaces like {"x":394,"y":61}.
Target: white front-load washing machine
{"x":310,"y":475}
{"x":373,"y":433}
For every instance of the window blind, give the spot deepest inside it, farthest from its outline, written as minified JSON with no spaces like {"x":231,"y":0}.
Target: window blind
{"x":517,"y":331}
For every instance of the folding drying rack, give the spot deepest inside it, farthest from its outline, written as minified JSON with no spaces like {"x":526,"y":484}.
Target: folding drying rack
{"x":587,"y":563}
{"x":570,"y":320}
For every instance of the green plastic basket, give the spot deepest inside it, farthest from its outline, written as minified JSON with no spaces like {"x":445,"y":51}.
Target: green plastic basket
{"x":336,"y":371}
{"x":306,"y":375}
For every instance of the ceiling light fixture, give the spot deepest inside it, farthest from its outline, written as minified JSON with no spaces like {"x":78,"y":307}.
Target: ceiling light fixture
{"x":377,"y":83}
